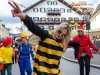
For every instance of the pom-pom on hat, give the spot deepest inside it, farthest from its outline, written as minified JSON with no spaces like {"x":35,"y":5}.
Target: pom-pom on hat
{"x":6,"y":41}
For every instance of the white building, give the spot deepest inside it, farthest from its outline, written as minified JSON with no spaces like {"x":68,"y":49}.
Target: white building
{"x":95,"y":19}
{"x":48,"y":14}
{"x":4,"y":32}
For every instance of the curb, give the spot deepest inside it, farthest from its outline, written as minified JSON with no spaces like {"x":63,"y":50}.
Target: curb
{"x":75,"y":61}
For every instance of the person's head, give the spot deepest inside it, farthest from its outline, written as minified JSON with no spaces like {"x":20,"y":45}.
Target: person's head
{"x":7,"y":42}
{"x":80,"y":32}
{"x":81,"y":29}
{"x":61,"y":31}
{"x":24,"y":37}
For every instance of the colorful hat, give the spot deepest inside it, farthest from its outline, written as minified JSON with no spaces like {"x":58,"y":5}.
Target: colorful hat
{"x":24,"y":35}
{"x":6,"y":41}
{"x":81,"y":26}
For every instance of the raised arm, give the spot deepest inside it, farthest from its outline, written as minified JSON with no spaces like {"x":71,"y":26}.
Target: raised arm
{"x":34,"y":28}
{"x":92,"y":45}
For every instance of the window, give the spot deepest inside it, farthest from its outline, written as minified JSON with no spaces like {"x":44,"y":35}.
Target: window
{"x":50,"y":19}
{"x":56,"y":9}
{"x":70,"y":18}
{"x":42,"y":10}
{"x":51,"y":27}
{"x":57,"y":20}
{"x":35,"y":10}
{"x":62,"y":10}
{"x":54,"y":3}
{"x":35,"y":18}
{"x":41,"y":27}
{"x":49,"y":9}
{"x":69,"y":10}
{"x":63,"y":20}
{"x":76,"y":18}
{"x":43,"y":19}
{"x":49,"y":2}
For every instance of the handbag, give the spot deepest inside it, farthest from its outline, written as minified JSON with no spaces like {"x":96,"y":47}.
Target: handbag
{"x":1,"y":66}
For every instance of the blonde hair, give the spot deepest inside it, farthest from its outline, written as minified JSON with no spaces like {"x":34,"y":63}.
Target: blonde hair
{"x":67,"y":37}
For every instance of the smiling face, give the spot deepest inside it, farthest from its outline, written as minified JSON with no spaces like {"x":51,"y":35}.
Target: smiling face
{"x":24,"y":39}
{"x":80,"y":32}
{"x":61,"y":32}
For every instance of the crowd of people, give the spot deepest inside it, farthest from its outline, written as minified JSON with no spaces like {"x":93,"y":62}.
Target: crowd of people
{"x":49,"y":51}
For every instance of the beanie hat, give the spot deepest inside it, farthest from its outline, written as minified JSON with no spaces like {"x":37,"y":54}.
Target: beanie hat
{"x":6,"y":41}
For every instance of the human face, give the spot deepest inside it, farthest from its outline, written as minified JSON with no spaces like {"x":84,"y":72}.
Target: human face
{"x":24,"y":39}
{"x":60,"y":33}
{"x":80,"y":32}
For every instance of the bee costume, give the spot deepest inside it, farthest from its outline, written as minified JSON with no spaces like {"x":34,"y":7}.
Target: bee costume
{"x":49,"y":51}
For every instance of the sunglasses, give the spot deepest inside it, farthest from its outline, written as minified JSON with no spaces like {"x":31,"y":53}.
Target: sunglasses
{"x":61,"y":32}
{"x":80,"y":31}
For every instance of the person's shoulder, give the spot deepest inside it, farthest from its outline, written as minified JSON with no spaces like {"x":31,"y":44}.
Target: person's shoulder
{"x":76,"y":36}
{"x":86,"y":35}
{"x":30,"y":44}
{"x":2,"y":47}
{"x":11,"y":48}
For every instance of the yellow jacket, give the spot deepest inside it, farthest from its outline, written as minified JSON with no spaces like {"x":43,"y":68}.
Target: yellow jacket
{"x":6,"y":54}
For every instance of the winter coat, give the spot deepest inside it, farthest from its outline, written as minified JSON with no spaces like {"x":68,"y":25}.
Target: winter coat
{"x":85,"y":44}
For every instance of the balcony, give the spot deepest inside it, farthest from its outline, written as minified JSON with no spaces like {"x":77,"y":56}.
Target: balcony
{"x":53,"y":21}
{"x":54,"y":12}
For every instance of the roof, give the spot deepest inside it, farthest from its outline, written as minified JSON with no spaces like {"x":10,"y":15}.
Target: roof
{"x":62,"y":1}
{"x":97,"y":9}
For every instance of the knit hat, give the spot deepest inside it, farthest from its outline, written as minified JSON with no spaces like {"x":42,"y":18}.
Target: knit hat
{"x":81,"y":27}
{"x":6,"y":41}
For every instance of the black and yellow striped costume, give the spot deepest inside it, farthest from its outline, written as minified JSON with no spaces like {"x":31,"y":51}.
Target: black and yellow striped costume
{"x":49,"y":51}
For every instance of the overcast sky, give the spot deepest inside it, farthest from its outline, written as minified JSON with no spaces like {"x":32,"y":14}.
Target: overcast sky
{"x":5,"y":12}
{"x":6,"y":16}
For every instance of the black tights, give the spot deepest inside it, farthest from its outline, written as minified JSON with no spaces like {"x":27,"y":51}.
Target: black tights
{"x":84,"y":61}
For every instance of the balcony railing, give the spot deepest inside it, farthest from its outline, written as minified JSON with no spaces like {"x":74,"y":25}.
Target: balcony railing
{"x":54,"y":12}
{"x":52,"y":22}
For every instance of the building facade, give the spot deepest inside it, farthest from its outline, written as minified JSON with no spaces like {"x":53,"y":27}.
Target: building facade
{"x":95,"y":18}
{"x":48,"y":14}
{"x":4,"y":32}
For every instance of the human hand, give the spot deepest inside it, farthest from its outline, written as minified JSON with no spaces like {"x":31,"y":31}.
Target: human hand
{"x":3,"y":62}
{"x":16,"y":11}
